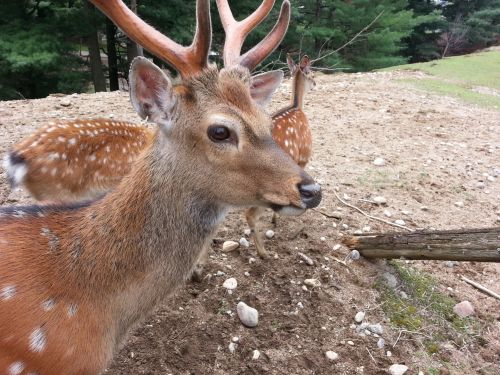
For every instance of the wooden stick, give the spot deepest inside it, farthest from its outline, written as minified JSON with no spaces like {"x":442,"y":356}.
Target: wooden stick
{"x":480,"y":245}
{"x":481,"y":288}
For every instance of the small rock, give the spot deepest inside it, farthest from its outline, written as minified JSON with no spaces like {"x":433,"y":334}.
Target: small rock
{"x":230,"y":246}
{"x":220,"y":273}
{"x":255,"y":355}
{"x":406,"y":212}
{"x":358,"y":318}
{"x":387,"y":213}
{"x":358,"y":231}
{"x":463,"y":309}
{"x":379,"y":199}
{"x":390,"y":279}
{"x":379,"y":162}
{"x":336,"y":247}
{"x":376,"y":328}
{"x":304,"y":288}
{"x":306,"y":259}
{"x":322,"y":239}
{"x":232,"y":347}
{"x":350,"y":343}
{"x":251,"y":260}
{"x":312,"y":282}
{"x":367,"y":228}
{"x":400,"y":222}
{"x":247,"y":232}
{"x":300,"y":305}
{"x":235,"y":339}
{"x":424,"y":208}
{"x":449,"y":263}
{"x":459,"y":204}
{"x":403,"y":295}
{"x":396,"y":369}
{"x":380,"y":343}
{"x":388,"y":353}
{"x":355,"y":255}
{"x":270,"y":233}
{"x":345,"y":226}
{"x":247,"y":273}
{"x":490,"y":178}
{"x":65,"y":102}
{"x":332,"y":356}
{"x":248,"y":315}
{"x":244,"y":242}
{"x":230,"y":283}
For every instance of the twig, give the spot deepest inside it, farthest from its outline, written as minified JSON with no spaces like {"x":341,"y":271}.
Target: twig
{"x":352,"y":40}
{"x":331,"y":216}
{"x":412,"y":332}
{"x":370,"y":216}
{"x":481,"y":288}
{"x":368,"y":350}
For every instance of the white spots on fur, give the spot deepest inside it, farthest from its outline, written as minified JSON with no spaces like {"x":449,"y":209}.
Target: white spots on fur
{"x":48,"y":304}
{"x":53,"y":172}
{"x":72,"y":141}
{"x":8,"y":292}
{"x":44,"y":169}
{"x":72,"y":310}
{"x":91,"y":157}
{"x":16,"y":368}
{"x":37,"y":340}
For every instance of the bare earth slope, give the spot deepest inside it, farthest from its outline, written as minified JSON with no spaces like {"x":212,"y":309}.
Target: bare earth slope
{"x":437,"y":151}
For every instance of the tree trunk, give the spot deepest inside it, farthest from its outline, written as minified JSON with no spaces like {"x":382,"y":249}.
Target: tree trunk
{"x":133,"y":49}
{"x":480,"y":245}
{"x":92,"y":41}
{"x":112,"y":56}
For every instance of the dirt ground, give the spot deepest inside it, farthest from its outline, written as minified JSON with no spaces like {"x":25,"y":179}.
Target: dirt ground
{"x":438,"y":151}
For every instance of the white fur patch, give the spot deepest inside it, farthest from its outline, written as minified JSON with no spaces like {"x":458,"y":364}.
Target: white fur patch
{"x":16,"y":172}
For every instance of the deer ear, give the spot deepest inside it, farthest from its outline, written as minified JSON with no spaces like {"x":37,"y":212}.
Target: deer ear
{"x":263,"y":86}
{"x":305,"y":64}
{"x":151,"y":92}
{"x":291,"y":64}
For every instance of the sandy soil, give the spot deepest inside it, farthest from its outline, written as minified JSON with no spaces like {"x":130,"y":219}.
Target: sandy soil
{"x":438,"y":151}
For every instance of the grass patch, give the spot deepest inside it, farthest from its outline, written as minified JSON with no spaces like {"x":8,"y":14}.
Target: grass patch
{"x":473,"y":78}
{"x":456,"y":90}
{"x":426,"y":311}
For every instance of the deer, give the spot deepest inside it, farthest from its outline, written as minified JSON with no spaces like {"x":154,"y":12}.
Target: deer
{"x":83,"y":159}
{"x":76,"y":278}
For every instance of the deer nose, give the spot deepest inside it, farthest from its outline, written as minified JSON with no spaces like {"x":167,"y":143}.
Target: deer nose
{"x":310,"y":193}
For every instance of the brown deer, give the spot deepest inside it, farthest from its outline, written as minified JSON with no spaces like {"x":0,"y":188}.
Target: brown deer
{"x":75,"y":279}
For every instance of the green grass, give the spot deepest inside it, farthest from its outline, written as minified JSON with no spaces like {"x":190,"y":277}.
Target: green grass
{"x":461,"y":76}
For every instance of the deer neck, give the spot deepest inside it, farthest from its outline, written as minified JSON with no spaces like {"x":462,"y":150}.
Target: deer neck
{"x":298,"y":90}
{"x":147,"y":234}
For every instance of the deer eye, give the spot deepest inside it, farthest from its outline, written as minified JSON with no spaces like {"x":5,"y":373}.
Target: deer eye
{"x":218,"y":133}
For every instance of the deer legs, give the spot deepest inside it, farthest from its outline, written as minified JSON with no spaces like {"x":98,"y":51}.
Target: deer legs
{"x":253,"y":215}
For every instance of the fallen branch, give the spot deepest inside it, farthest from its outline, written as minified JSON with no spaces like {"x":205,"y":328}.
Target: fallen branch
{"x":481,"y":288}
{"x":370,"y":216}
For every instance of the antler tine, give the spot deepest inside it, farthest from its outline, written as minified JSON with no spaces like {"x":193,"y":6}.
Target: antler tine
{"x":266,"y":46}
{"x":236,"y":31}
{"x":186,"y":60}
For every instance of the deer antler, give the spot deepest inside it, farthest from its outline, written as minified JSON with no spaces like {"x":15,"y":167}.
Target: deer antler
{"x":237,"y":31}
{"x":186,"y":60}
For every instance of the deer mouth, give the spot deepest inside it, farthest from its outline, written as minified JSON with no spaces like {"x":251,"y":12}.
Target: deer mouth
{"x":288,"y":210}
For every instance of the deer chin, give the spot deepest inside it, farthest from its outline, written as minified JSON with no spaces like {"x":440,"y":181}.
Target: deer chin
{"x":289,"y":210}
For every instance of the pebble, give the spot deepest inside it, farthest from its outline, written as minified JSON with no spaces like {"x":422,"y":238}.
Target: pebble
{"x":406,"y":212}
{"x":449,"y":263}
{"x":490,"y":178}
{"x":248,"y":315}
{"x":336,"y":247}
{"x":367,"y":228}
{"x":306,"y":259}
{"x":359,"y":317}
{"x":300,"y":305}
{"x":256,"y":354}
{"x":332,"y":356}
{"x":390,"y":279}
{"x":380,"y":343}
{"x":355,"y":255}
{"x":379,"y":199}
{"x":396,"y":369}
{"x":345,"y":226}
{"x":247,"y":273}
{"x":463,"y":309}
{"x":459,"y":204}
{"x":251,"y":260}
{"x":350,"y":343}
{"x":388,"y":353}
{"x":65,"y":102}
{"x":230,"y":246}
{"x":312,"y":282}
{"x":230,"y":283}
{"x":270,"y":233}
{"x":387,"y":213}
{"x":322,"y":239}
{"x":247,"y":232}
{"x":232,"y":347}
{"x":244,"y":242}
{"x":379,"y":162}
{"x":424,"y":208}
{"x":400,"y":222}
{"x":235,"y":339}
{"x":376,"y":328}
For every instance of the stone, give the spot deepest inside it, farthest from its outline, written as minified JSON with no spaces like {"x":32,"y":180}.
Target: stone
{"x":358,"y":318}
{"x":232,"y":347}
{"x":376,"y":328}
{"x":306,"y":259}
{"x":312,"y":282}
{"x":331,"y":355}
{"x":355,"y":255}
{"x":387,"y":213}
{"x":65,"y":102}
{"x":244,"y":242}
{"x":248,"y":315}
{"x":255,"y":355}
{"x":380,"y":343}
{"x":459,"y":204}
{"x":336,"y":247}
{"x":463,"y":309}
{"x":400,"y":222}
{"x":230,"y":246}
{"x":379,"y":162}
{"x":247,"y":232}
{"x":230,"y":283}
{"x":270,"y":233}
{"x":397,"y":369}
{"x":351,"y":343}
{"x":379,"y":199}
{"x":390,"y":279}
